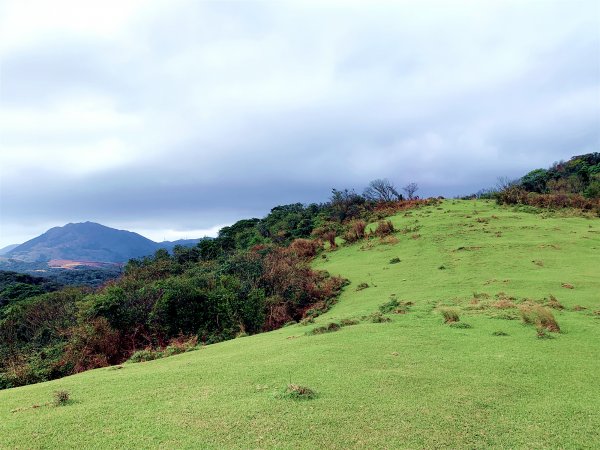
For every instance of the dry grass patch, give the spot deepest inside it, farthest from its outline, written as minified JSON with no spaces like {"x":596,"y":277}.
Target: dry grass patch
{"x":540,"y":317}
{"x":450,"y":315}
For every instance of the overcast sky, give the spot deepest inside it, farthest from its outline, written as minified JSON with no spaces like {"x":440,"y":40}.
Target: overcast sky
{"x":173,"y":118}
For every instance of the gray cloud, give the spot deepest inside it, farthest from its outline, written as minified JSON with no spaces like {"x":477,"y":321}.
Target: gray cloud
{"x":193,"y":114}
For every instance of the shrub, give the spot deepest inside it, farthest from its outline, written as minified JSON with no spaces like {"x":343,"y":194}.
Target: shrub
{"x":539,"y":316}
{"x":384,"y":228}
{"x":377,"y":317}
{"x":61,"y":398}
{"x":451,"y":315}
{"x":144,"y":355}
{"x":91,"y":345}
{"x":349,"y":237}
{"x":307,"y":320}
{"x":460,"y":325}
{"x":298,"y":392}
{"x":181,"y":344}
{"x":329,"y":328}
{"x":362,"y":286}
{"x":499,"y":333}
{"x":395,"y":306}
{"x":305,"y":248}
{"x":394,"y":260}
{"x":348,"y":322}
{"x":329,"y":236}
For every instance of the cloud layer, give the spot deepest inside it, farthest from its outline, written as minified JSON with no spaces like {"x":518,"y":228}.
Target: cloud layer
{"x":172,"y":118}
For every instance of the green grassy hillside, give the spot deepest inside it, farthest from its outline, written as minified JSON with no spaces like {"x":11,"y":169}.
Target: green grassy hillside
{"x":412,"y":382}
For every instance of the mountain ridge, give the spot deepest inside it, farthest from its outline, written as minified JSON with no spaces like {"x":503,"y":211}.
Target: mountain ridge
{"x":90,"y":241}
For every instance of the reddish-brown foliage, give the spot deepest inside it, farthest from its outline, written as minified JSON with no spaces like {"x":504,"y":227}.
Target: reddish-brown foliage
{"x":91,"y":345}
{"x":306,"y":248}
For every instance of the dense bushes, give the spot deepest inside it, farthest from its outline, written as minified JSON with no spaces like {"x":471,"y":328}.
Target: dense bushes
{"x":571,"y":184}
{"x":160,"y":299}
{"x":254,"y":276}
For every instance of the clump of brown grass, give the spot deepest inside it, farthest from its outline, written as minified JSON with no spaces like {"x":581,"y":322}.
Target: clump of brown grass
{"x":539,"y":316}
{"x":384,"y":228}
{"x":355,"y":231}
{"x":554,"y":303}
{"x":567,"y":286}
{"x":579,"y":308}
{"x":450,"y":315}
{"x":390,"y":240}
{"x":504,"y":303}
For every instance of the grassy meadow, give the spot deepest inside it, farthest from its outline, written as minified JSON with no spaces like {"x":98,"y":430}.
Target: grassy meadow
{"x":486,"y":381}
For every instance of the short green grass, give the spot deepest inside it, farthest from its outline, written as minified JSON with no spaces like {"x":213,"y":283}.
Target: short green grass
{"x":414,"y":382}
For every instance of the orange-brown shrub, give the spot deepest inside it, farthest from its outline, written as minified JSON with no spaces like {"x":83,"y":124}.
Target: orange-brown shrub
{"x":91,"y":345}
{"x":292,"y":287}
{"x":329,"y":236}
{"x":384,"y":228}
{"x":305,"y":248}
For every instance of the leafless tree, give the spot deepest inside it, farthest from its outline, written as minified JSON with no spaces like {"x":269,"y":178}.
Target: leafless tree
{"x":411,"y":189}
{"x":503,"y":183}
{"x":381,"y":190}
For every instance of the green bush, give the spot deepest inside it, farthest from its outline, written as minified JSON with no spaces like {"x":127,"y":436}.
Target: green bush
{"x":145,"y":355}
{"x":329,"y":328}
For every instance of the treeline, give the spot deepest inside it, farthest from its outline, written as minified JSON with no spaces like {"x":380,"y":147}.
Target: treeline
{"x":571,"y":184}
{"x":19,"y":286}
{"x":79,"y":276}
{"x":254,"y":276}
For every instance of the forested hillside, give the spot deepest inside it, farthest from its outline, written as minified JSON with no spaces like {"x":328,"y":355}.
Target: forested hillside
{"x":257,"y":275}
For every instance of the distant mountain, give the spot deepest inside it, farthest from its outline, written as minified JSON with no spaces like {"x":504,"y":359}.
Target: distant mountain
{"x":8,"y":248}
{"x":89,"y":241}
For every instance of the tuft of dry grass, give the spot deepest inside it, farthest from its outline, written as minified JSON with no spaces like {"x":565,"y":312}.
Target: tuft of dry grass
{"x":384,"y":228}
{"x":450,"y":315}
{"x":504,"y":303}
{"x":539,"y":316}
{"x":554,"y":303}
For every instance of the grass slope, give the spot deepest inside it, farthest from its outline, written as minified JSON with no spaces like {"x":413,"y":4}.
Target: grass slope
{"x":412,"y":382}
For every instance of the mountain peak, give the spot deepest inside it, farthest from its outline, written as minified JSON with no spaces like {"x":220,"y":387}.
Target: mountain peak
{"x":86,"y":241}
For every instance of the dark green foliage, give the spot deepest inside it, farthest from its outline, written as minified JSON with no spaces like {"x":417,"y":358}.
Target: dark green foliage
{"x":19,"y":286}
{"x":499,"y":333}
{"x":395,"y":260}
{"x":573,"y":184}
{"x":346,"y":205}
{"x":157,"y":299}
{"x":460,"y":325}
